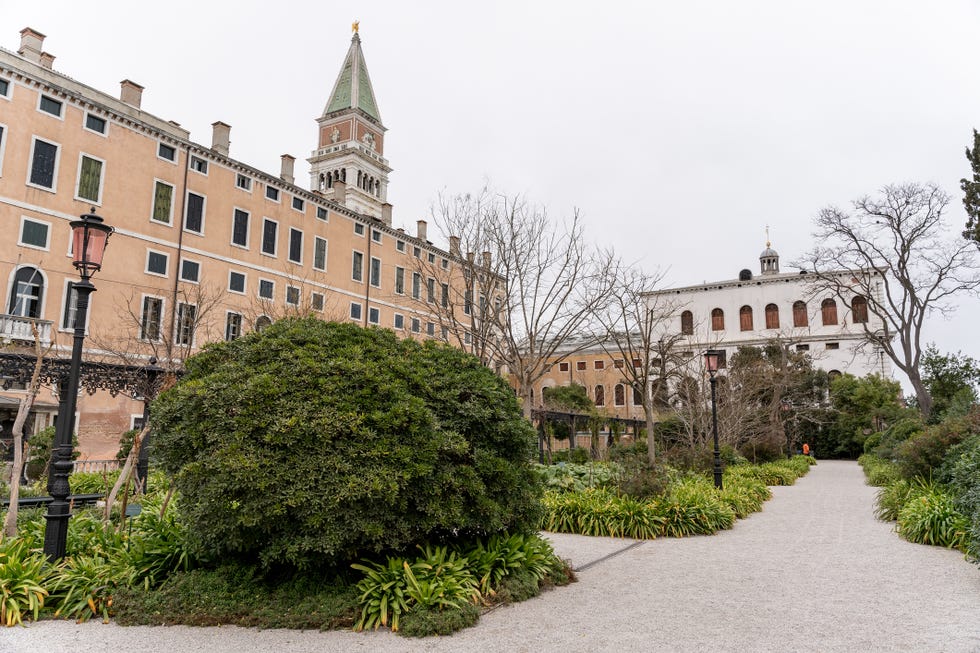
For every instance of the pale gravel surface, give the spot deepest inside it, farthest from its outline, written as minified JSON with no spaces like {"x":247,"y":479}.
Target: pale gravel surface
{"x":813,"y":572}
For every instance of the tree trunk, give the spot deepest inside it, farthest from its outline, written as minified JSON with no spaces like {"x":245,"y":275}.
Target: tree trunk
{"x":651,"y":441}
{"x":126,"y":472}
{"x":922,"y":395}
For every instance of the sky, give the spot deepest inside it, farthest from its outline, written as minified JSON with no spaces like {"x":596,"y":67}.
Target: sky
{"x":679,"y":130}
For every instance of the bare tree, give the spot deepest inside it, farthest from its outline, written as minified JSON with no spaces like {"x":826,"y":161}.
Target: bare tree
{"x":23,"y":410}
{"x":892,"y":251}
{"x":541,"y":285}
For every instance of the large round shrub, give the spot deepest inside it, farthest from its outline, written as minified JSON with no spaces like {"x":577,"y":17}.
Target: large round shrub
{"x":312,"y":443}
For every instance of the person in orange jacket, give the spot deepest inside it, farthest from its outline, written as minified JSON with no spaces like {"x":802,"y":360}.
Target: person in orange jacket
{"x":806,"y":449}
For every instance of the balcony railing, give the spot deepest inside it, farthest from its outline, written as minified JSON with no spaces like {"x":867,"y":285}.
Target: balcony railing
{"x":14,"y":327}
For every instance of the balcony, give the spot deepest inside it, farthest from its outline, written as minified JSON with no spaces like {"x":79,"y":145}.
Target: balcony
{"x":14,"y":328}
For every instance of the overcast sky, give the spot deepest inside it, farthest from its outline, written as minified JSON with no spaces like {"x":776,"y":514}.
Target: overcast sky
{"x":679,"y":130}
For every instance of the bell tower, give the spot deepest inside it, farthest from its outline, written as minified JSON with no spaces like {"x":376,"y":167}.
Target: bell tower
{"x":348,"y":165}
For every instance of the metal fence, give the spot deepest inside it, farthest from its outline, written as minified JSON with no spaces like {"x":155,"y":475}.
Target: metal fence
{"x":96,"y":466}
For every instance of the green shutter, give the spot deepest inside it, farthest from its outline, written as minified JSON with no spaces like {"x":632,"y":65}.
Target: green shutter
{"x":161,"y":202}
{"x":89,"y":179}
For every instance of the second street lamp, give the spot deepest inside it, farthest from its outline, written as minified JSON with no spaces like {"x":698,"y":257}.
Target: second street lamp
{"x":712,"y":360}
{"x":89,"y":239}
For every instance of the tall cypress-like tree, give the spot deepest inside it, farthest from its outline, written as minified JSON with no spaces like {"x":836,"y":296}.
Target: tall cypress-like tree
{"x":971,"y":192}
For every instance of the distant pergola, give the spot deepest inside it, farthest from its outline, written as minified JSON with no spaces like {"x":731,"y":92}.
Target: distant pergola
{"x":573,"y":419}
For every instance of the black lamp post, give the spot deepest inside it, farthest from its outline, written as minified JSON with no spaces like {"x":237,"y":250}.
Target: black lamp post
{"x":712,"y":358}
{"x":89,"y":239}
{"x":785,"y":407}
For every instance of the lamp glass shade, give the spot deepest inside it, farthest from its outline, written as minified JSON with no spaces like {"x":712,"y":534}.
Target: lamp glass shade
{"x":711,"y":360}
{"x":89,"y":239}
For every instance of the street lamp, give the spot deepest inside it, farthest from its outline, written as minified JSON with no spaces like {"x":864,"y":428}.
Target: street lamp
{"x":89,"y":239}
{"x":712,"y":359}
{"x":785,"y":407}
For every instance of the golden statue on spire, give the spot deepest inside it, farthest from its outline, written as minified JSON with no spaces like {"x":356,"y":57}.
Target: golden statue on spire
{"x":768,"y":244}
{"x":355,"y":26}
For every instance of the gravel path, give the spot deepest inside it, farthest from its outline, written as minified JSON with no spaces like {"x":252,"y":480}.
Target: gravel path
{"x":813,"y":572}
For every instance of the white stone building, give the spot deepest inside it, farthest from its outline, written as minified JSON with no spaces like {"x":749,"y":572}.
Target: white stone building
{"x":752,"y":310}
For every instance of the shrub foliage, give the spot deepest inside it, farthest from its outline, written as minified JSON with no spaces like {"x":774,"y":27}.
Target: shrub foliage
{"x":313,"y":443}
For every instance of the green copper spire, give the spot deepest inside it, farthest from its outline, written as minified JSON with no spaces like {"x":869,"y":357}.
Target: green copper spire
{"x":353,"y":89}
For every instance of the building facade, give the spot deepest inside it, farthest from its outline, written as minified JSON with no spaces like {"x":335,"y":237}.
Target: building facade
{"x":205,"y":247}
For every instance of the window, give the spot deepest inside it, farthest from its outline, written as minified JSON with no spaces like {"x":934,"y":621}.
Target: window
{"x":321,"y":214}
{"x":772,"y":316}
{"x":50,"y":105}
{"x":687,"y":323}
{"x":859,"y":310}
{"x":319,"y":253}
{"x":167,"y":152}
{"x":272,"y":193}
{"x":376,"y":272}
{"x":717,"y":320}
{"x":400,"y":281}
{"x":4,"y":88}
{"x":358,"y":229}
{"x":184,"y":329}
{"x":151,"y":318}
{"x":467,"y":338}
{"x":262,"y":322}
{"x":236,"y":282}
{"x":799,"y":314}
{"x":745,"y":318}
{"x":70,"y":314}
{"x":416,"y":325}
{"x":243,"y":182}
{"x":416,"y":252}
{"x":600,"y":395}
{"x":445,"y":264}
{"x":722,"y":359}
{"x":89,"y":179}
{"x":292,"y":295}
{"x":580,"y":366}
{"x":468,"y":302}
{"x":430,"y":288}
{"x":163,"y":194}
{"x":430,"y":328}
{"x":95,"y":123}
{"x":44,"y":164}
{"x":295,"y":245}
{"x":828,"y":312}
{"x":374,"y":315}
{"x":298,"y":203}
{"x":619,"y":395}
{"x":416,"y":285}
{"x":563,"y":367}
{"x":357,"y":266}
{"x":432,"y":257}
{"x":199,"y":165}
{"x":445,"y":295}
{"x":355,"y":311}
{"x":156,"y":263}
{"x":26,"y":293}
{"x":376,"y":235}
{"x":618,"y":363}
{"x":34,"y":233}
{"x":445,"y":333}
{"x":2,"y":143}
{"x":267,"y":289}
{"x":400,"y":245}
{"x":233,"y":326}
{"x":832,"y":345}
{"x":399,"y":321}
{"x":194,"y":216}
{"x":316,"y":301}
{"x":637,"y":397}
{"x":802,"y":347}
{"x":190,"y":271}
{"x":270,"y":233}
{"x":239,"y":228}
{"x":599,"y":365}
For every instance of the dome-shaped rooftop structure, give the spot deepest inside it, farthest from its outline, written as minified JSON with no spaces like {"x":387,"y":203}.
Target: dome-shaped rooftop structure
{"x":769,"y":259}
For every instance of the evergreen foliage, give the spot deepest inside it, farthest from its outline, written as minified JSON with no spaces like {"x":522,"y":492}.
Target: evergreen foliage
{"x":312,"y":443}
{"x":971,"y":192}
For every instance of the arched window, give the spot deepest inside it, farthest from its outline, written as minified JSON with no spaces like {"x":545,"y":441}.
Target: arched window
{"x":717,"y":320}
{"x":745,"y":318}
{"x":859,"y":310}
{"x":687,"y":323}
{"x":833,"y":374}
{"x":799,"y":314}
{"x":828,"y":310}
{"x":772,"y":316}
{"x":26,"y":293}
{"x":262,"y":322}
{"x":329,"y":181}
{"x":619,"y":394}
{"x":343,"y":175}
{"x":323,"y":181}
{"x":600,"y":395}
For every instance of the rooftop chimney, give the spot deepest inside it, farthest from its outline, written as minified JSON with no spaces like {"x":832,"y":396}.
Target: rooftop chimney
{"x":386,"y":213}
{"x":131,"y":93}
{"x":340,"y":192}
{"x":31,"y":41}
{"x":454,"y":246}
{"x":422,"y":230}
{"x":220,"y":137}
{"x":469,"y":257}
{"x":47,"y":60}
{"x":286,"y":171}
{"x":486,"y":260}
